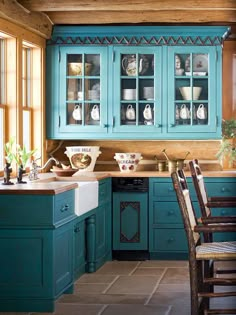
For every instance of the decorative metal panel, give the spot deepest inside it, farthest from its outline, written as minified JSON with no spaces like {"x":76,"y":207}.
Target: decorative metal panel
{"x":134,"y":236}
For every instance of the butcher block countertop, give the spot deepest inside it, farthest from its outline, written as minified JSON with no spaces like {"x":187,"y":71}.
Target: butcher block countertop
{"x":37,"y":188}
{"x":50,"y":184}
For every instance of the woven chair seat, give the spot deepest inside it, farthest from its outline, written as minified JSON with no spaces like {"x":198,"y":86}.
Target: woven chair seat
{"x":215,"y":250}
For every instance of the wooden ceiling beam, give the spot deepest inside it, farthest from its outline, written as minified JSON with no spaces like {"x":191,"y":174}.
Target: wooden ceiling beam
{"x":176,"y":16}
{"x":130,"y":5}
{"x":34,"y":21}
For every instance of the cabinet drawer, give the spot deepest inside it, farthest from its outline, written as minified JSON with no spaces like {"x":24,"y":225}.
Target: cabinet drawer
{"x":164,"y":191}
{"x":64,"y":205}
{"x":221,"y":189}
{"x":166,"y":212}
{"x":169,"y":240}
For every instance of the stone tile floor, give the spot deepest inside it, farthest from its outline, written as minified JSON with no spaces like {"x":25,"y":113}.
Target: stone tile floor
{"x":130,"y":287}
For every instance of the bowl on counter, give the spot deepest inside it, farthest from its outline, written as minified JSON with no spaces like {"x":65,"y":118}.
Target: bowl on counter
{"x":187,"y":90}
{"x":63,"y":172}
{"x":128,"y":162}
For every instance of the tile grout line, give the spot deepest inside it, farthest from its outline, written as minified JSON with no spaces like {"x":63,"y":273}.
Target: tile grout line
{"x":156,"y":286}
{"x":135,"y":268}
{"x":105,"y":306}
{"x":110,"y":284}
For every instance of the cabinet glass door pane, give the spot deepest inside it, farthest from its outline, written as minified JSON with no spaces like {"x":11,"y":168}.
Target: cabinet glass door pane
{"x":83,"y":89}
{"x":191,"y":89}
{"x":137,"y":89}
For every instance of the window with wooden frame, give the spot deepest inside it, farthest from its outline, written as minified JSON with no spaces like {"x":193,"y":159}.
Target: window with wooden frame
{"x":27,"y":88}
{"x":22,"y":89}
{"x":2,"y":100}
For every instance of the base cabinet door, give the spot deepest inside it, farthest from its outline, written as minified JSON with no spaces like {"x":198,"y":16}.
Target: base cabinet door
{"x":130,"y":213}
{"x":63,"y":254}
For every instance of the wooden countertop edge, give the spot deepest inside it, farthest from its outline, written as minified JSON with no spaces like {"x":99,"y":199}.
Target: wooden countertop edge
{"x":52,"y":188}
{"x":49,"y":184}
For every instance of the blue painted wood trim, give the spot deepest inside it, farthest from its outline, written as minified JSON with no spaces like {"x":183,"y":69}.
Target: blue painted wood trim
{"x":139,"y":35}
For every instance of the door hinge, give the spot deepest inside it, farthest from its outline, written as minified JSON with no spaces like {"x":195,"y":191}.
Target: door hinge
{"x":113,"y":56}
{"x":59,"y":56}
{"x":217,"y":121}
{"x":59,"y":121}
{"x":216,"y":56}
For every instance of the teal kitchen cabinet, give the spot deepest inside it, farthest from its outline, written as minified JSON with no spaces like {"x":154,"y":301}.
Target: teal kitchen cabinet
{"x":92,"y":234}
{"x":36,"y":237}
{"x":223,"y":187}
{"x":104,"y":223}
{"x":194,"y":91}
{"x":130,"y":221}
{"x":148,"y":82}
{"x":79,"y":100}
{"x":167,"y":239}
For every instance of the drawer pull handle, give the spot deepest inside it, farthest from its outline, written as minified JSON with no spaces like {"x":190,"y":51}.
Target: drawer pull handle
{"x":171,"y":212}
{"x":65,"y":208}
{"x":223,"y":212}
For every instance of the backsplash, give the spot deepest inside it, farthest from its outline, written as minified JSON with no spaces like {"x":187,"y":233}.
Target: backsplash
{"x":204,"y":151}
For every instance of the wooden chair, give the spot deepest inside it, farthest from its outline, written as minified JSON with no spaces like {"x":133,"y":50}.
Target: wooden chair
{"x":205,"y":202}
{"x":202,"y":279}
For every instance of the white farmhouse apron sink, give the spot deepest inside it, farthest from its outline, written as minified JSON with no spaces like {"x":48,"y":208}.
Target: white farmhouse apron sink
{"x":86,"y":197}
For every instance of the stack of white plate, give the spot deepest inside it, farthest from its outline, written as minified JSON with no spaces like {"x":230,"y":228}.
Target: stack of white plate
{"x":129,"y":94}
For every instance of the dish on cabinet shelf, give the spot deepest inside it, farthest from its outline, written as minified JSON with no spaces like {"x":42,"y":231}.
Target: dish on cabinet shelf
{"x":200,"y":63}
{"x":129,"y":65}
{"x":196,"y":73}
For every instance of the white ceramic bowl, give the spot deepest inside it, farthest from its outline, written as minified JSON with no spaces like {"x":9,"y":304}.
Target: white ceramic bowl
{"x":128,"y":162}
{"x":186,"y":92}
{"x":83,"y":158}
{"x":125,"y":156}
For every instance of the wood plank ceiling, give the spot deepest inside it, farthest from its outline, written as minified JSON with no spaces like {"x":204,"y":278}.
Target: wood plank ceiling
{"x":83,"y":12}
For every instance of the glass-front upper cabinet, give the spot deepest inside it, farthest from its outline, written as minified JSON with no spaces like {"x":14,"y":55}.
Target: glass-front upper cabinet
{"x":83,"y":89}
{"x":192,"y":88}
{"x":137,"y":89}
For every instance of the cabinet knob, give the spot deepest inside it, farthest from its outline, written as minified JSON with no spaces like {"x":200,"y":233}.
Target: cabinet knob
{"x":172,"y":125}
{"x":77,"y":229}
{"x":105,"y":125}
{"x":171,"y":212}
{"x":65,"y":208}
{"x":158,"y":125}
{"x":170,"y":240}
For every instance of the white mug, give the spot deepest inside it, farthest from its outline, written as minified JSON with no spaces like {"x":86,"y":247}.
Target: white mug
{"x":77,"y":113}
{"x":130,"y":112}
{"x":95,"y":112}
{"x":147,"y":113}
{"x":184,"y":112}
{"x":201,"y":112}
